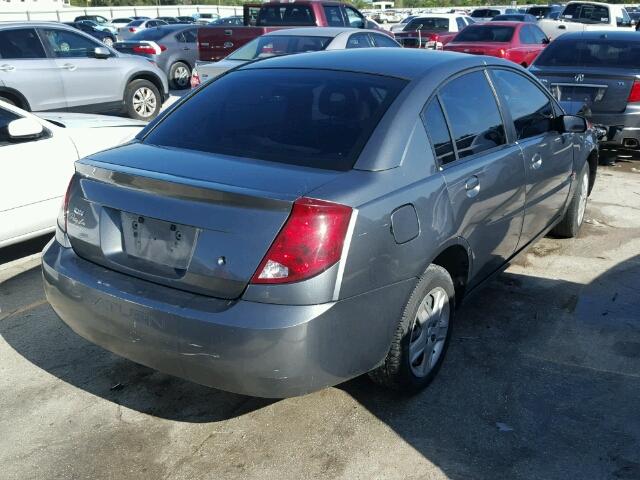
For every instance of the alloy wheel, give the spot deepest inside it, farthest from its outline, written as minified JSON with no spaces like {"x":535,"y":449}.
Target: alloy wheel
{"x":144,"y":102}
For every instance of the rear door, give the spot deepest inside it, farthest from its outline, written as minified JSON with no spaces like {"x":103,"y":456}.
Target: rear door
{"x":86,"y":79}
{"x":548,"y":154}
{"x":484,"y":173}
{"x":188,"y":45}
{"x":24,"y":67}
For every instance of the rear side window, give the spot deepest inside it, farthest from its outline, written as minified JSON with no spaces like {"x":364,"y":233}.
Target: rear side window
{"x":286,"y":15}
{"x":384,"y":41}
{"x":20,"y":43}
{"x":538,"y":34}
{"x":436,"y":126}
{"x":530,"y":109}
{"x":334,"y":16}
{"x":485,"y":33}
{"x":591,"y":53}
{"x":460,"y":23}
{"x":311,"y":118}
{"x":359,"y":40}
{"x":473,"y":114}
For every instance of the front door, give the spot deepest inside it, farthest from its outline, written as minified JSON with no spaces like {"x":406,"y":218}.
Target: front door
{"x":548,"y":154}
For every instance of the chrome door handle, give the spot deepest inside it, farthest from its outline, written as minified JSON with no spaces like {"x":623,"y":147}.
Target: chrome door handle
{"x":472,"y":186}
{"x":69,"y":66}
{"x":536,"y":161}
{"x":7,"y":68}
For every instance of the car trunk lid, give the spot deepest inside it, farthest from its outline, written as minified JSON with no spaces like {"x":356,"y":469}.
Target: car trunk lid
{"x":193,"y":223}
{"x":491,"y":49}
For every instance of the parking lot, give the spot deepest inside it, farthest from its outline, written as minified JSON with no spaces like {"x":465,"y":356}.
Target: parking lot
{"x":542,"y":381}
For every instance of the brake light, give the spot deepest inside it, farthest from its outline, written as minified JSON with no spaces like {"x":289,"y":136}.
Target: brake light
{"x":64,"y":209}
{"x":195,"y":79}
{"x":132,"y":29}
{"x":146,"y":49}
{"x":310,"y":242}
{"x":634,"y":95}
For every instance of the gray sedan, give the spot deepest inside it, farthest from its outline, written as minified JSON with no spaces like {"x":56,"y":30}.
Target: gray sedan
{"x":173,"y":48}
{"x":305,"y":219}
{"x":294,"y":40}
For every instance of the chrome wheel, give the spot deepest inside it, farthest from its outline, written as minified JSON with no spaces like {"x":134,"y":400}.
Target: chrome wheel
{"x":144,"y":102}
{"x":107,"y":41}
{"x":582,"y":201}
{"x":429,"y":332}
{"x":181,"y":76}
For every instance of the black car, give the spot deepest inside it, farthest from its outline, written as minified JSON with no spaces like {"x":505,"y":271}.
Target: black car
{"x":187,"y":20}
{"x":105,"y":37}
{"x":600,"y":74}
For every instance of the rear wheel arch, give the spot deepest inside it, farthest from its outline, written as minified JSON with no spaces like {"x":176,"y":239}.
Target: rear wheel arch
{"x":455,"y":257}
{"x":15,"y":97}
{"x":592,"y":160}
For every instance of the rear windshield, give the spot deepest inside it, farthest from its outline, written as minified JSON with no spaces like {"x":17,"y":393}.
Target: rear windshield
{"x":538,"y":11}
{"x":286,"y":15}
{"x":591,"y":53}
{"x":312,"y":118}
{"x":274,"y":45}
{"x":485,"y":33}
{"x":586,"y":13}
{"x":150,"y":34}
{"x":514,"y":17}
{"x":428,"y":24}
{"x":485,"y":13}
{"x":136,"y":23}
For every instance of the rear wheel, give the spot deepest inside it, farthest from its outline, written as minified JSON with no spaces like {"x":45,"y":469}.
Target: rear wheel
{"x":142,"y":100}
{"x":570,"y":224}
{"x":179,"y":75}
{"x":108,"y":41}
{"x":422,"y":336}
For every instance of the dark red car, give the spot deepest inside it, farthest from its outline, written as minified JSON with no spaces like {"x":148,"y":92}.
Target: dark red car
{"x":519,"y":42}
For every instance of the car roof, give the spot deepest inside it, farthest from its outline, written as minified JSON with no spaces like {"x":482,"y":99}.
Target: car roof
{"x":439,"y":15}
{"x":31,"y":24}
{"x":497,"y":24}
{"x":317,"y":31}
{"x":406,"y":63}
{"x":626,"y":35}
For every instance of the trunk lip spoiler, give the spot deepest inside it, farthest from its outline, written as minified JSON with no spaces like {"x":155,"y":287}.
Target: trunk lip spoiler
{"x":183,"y":188}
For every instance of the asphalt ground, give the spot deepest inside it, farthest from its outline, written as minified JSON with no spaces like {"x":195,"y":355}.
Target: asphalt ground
{"x":542,"y":381}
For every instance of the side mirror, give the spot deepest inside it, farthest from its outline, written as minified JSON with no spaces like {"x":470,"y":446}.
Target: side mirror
{"x":546,"y":41}
{"x":101,"y":53}
{"x":572,"y":124}
{"x":24,"y":129}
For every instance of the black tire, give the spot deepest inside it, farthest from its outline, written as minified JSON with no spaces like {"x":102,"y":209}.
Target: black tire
{"x":397,"y":372}
{"x":573,"y":218}
{"x":132,"y":95}
{"x":8,"y":100}
{"x":177,"y":81}
{"x":109,"y":41}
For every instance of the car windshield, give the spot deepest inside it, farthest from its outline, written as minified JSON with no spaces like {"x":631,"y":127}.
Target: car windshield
{"x":312,"y":118}
{"x":274,"y":45}
{"x":428,"y":23}
{"x":591,"y":53}
{"x":151,"y":34}
{"x":485,"y":33}
{"x":586,"y":13}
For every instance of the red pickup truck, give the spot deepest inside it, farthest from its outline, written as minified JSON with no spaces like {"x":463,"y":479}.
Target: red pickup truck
{"x":216,"y":42}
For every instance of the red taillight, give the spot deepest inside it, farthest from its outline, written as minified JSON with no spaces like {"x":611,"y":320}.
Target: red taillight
{"x":634,"y":95}
{"x":502,"y":53}
{"x":146,"y":49}
{"x":64,"y":209}
{"x":162,"y":48}
{"x":132,"y":29}
{"x":195,"y":79}
{"x":310,"y":242}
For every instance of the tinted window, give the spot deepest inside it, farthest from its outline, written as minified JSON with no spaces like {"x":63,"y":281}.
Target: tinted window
{"x":65,"y":44}
{"x":315,"y":118}
{"x":526,"y":36}
{"x":480,"y":13}
{"x":531,"y":110}
{"x":586,"y":13}
{"x":270,"y":46}
{"x":538,"y":34}
{"x":538,"y":11}
{"x":20,"y":43}
{"x":6,"y":117}
{"x":460,"y":23}
{"x":334,"y":16}
{"x":190,"y":36}
{"x":436,"y":127}
{"x":136,"y":23}
{"x":591,"y":53}
{"x":428,"y":24}
{"x":384,"y":41}
{"x":473,"y":114}
{"x":354,"y":18}
{"x":485,"y":33}
{"x":286,"y":15}
{"x":359,"y":40}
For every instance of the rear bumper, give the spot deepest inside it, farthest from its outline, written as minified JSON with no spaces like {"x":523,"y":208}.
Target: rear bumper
{"x":250,"y":348}
{"x":623,"y":129}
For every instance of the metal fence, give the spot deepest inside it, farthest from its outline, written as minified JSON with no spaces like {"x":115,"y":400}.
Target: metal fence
{"x":68,"y":14}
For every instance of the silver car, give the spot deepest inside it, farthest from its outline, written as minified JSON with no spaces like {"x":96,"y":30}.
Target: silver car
{"x":130,"y":29}
{"x":50,"y":66}
{"x":308,"y":218}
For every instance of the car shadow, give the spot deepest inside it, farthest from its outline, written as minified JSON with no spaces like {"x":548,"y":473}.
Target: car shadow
{"x":24,"y":249}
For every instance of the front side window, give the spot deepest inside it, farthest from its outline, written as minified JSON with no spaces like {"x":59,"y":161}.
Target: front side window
{"x":473,"y":114}
{"x":311,"y":118}
{"x":354,"y":18}
{"x":20,"y":43}
{"x":436,"y":127}
{"x":359,"y":40}
{"x":334,"y":16}
{"x":65,"y":44}
{"x":460,"y":23}
{"x":486,"y":33}
{"x":531,"y":110}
